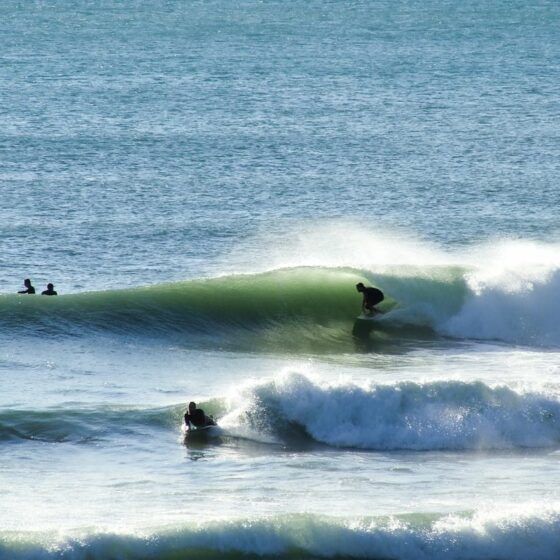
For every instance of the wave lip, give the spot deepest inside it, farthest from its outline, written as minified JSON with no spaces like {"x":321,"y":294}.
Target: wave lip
{"x":481,"y":535}
{"x":442,"y":415}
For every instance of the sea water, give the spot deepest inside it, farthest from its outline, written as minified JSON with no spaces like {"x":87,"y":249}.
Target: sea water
{"x":205,"y":182}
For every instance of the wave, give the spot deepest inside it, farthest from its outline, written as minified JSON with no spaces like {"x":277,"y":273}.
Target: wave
{"x":313,"y":309}
{"x":85,"y":425}
{"x":442,"y":415}
{"x":240,"y":311}
{"x":293,"y":410}
{"x":467,"y":536}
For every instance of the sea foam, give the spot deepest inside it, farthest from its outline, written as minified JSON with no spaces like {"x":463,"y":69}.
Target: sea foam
{"x":435,"y":415}
{"x":510,"y":535}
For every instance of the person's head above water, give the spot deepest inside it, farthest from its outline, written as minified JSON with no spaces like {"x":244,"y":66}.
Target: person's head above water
{"x":192,"y":407}
{"x":29,"y":289}
{"x":50,"y":286}
{"x":360,"y":287}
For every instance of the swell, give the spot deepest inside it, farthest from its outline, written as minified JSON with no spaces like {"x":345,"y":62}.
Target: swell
{"x":85,"y":425}
{"x":288,"y":309}
{"x":294,"y":410}
{"x":512,"y":535}
{"x":312,"y":309}
{"x":205,"y":306}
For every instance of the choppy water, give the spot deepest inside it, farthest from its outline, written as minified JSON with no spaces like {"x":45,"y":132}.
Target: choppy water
{"x":205,"y":183}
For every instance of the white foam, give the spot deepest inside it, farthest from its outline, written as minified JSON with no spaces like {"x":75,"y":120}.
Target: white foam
{"x":406,"y":415}
{"x":509,"y":289}
{"x":517,"y":534}
{"x":521,"y":307}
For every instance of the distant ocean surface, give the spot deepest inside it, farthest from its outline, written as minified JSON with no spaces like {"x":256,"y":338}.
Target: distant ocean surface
{"x":205,"y":182}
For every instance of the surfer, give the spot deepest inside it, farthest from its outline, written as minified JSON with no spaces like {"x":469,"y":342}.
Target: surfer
{"x":49,"y":291}
{"x":372,"y":296}
{"x":29,"y":288}
{"x":196,"y":417}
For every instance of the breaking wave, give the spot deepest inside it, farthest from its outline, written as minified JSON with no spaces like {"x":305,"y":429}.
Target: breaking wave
{"x":312,"y":309}
{"x":467,"y":536}
{"x":293,"y":409}
{"x":440,"y":415}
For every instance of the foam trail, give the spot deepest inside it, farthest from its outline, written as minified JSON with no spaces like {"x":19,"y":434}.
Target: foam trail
{"x":448,"y":415}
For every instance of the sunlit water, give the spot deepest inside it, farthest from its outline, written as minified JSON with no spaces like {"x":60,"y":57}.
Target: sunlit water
{"x":205,"y":182}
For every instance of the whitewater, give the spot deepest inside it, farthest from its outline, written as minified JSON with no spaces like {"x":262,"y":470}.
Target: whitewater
{"x":329,"y":426}
{"x":205,"y":183}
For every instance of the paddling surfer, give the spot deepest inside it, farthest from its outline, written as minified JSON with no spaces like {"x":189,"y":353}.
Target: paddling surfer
{"x":29,"y":289}
{"x":50,"y":291}
{"x":196,"y":417}
{"x":372,"y":296}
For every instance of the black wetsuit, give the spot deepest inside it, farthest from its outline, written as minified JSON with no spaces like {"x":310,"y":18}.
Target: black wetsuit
{"x":372,"y":296}
{"x":30,"y":290}
{"x":198,"y":419}
{"x":49,"y":293}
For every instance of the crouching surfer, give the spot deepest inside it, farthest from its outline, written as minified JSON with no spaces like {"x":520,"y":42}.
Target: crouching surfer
{"x":195,"y":418}
{"x":372,"y":296}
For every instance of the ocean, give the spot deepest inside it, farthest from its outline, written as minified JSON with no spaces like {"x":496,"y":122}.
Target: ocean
{"x":205,"y":182}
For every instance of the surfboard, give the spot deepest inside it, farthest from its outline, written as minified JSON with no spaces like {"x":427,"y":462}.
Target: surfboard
{"x":363,"y":317}
{"x":201,"y":433}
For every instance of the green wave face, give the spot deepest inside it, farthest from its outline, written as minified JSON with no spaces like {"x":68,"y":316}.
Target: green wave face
{"x":301,"y":309}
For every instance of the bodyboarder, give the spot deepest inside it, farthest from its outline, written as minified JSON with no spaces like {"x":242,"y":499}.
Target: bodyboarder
{"x":196,"y":417}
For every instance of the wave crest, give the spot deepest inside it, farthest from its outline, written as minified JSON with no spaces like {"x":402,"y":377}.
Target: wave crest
{"x":513,"y":535}
{"x":439,"y":415}
{"x":313,"y":309}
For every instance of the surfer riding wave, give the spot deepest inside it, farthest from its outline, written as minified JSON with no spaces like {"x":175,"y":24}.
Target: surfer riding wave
{"x":196,"y":418}
{"x":372,"y":296}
